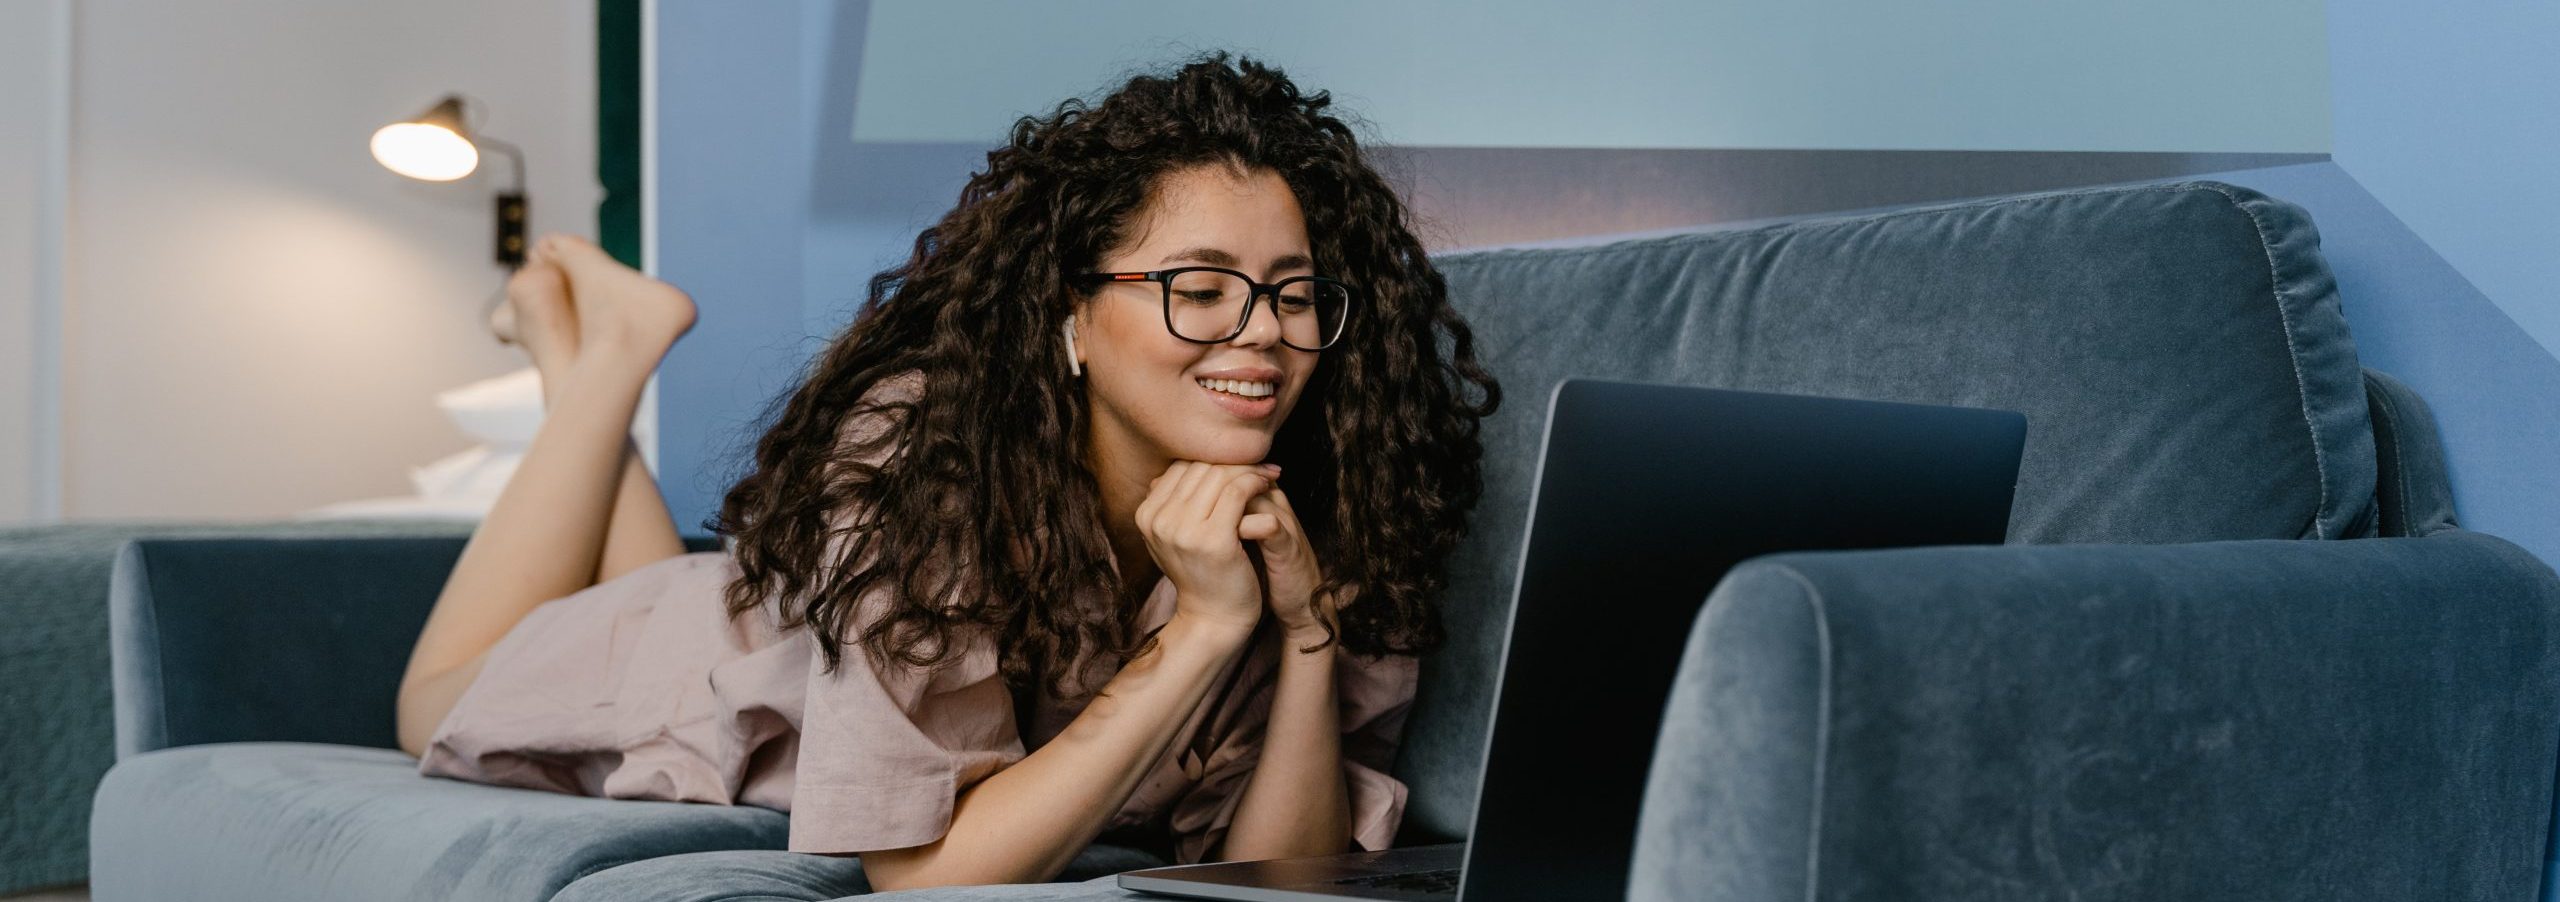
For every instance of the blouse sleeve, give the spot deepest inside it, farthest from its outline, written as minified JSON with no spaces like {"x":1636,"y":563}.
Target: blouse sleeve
{"x":1374,"y":694}
{"x":886,"y":751}
{"x":886,"y":748}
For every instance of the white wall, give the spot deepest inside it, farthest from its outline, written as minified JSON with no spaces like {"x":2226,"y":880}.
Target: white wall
{"x":33,"y":100}
{"x":257,"y":314}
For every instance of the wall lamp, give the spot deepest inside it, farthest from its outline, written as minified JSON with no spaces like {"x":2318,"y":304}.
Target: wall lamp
{"x":440,"y":146}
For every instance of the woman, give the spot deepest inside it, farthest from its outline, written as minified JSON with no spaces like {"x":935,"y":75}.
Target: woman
{"x":1117,"y":512}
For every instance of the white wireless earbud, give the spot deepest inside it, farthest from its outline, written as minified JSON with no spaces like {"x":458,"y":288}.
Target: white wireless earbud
{"x":1073,"y":365}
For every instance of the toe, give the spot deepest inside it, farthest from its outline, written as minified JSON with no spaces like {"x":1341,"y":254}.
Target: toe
{"x":572,"y":250}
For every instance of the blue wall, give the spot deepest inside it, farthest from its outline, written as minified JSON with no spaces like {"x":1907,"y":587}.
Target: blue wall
{"x":736,"y":151}
{"x":2448,"y":116}
{"x":2449,"y":113}
{"x":2088,"y":75}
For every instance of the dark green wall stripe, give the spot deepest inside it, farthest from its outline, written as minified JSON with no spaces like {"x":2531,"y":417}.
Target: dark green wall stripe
{"x":618,"y":128}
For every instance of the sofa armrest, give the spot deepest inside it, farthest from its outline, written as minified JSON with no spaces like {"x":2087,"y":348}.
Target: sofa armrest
{"x":228,"y":640}
{"x":276,"y":640}
{"x":2373,"y":718}
{"x":2410,"y":491}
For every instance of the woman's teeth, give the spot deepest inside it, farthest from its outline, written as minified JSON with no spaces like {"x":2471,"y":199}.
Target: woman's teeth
{"x":1237,"y":387}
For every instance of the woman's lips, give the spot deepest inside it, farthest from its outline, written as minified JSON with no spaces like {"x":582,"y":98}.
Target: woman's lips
{"x":1242,"y":407}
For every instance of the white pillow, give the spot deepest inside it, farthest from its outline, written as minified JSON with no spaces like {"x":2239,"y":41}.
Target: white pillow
{"x":502,"y":410}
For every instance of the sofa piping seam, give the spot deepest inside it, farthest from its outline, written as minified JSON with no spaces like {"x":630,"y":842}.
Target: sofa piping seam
{"x":2301,"y":384}
{"x":1822,"y":733}
{"x":1464,"y":259}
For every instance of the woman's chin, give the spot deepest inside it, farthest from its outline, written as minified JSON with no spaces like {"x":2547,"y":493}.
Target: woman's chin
{"x":1246,"y":447}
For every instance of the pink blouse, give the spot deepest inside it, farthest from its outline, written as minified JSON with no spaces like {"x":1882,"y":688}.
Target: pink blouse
{"x":644,"y":688}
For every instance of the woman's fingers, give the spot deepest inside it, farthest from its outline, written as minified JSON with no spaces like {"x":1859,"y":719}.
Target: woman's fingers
{"x":1284,"y":531}
{"x":1155,"y":499}
{"x":1172,"y":497}
{"x":1226,"y":505}
{"x":1186,"y":491}
{"x":1282,"y":499}
{"x":1198,"y":504}
{"x":1258,"y":528}
{"x":1197,"y":497}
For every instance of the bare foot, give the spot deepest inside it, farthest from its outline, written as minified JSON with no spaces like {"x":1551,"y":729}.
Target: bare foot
{"x":541,"y":317}
{"x":617,"y":307}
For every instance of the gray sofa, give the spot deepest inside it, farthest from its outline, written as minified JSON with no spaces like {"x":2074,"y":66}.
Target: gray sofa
{"x":2236,"y":649}
{"x":54,"y":688}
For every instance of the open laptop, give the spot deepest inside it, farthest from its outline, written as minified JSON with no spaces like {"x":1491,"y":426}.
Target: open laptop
{"x":1645,"y":496}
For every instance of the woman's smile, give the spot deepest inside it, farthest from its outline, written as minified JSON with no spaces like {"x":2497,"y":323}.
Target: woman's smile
{"x":1246,"y":393}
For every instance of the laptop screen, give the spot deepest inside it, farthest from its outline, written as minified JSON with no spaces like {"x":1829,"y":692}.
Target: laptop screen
{"x":1646,"y":495}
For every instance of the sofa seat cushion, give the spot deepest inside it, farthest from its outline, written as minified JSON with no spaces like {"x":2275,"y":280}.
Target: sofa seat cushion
{"x":769,"y":876}
{"x":278,"y":821}
{"x":762,"y":875}
{"x":1097,"y":889}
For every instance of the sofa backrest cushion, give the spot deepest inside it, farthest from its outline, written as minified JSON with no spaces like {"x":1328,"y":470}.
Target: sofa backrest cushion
{"x":2178,"y":351}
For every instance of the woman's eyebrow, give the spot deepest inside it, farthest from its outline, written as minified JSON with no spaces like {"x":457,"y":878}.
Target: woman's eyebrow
{"x":1216,"y":257}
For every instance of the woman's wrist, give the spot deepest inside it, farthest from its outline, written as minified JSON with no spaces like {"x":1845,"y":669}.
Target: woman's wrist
{"x":1295,"y":641}
{"x":1190,"y":629}
{"x":1301,"y":620}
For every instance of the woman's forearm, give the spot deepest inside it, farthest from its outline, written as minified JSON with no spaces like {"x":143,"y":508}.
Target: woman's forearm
{"x":1295,"y":804}
{"x":1027,"y":822}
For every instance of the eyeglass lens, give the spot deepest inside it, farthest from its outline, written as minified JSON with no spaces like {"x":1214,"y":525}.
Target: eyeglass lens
{"x":1209,"y":306}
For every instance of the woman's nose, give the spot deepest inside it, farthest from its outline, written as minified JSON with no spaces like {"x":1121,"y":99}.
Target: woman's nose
{"x":1262,"y":321}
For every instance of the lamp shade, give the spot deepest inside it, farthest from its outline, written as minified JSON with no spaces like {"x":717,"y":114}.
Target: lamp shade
{"x":434,"y":146}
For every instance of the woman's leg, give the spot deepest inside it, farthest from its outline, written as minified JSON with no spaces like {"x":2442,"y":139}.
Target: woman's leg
{"x":640,"y":531}
{"x":600,"y":328}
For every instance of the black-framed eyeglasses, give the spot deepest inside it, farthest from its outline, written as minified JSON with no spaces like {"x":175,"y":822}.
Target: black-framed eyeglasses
{"x":1209,"y":304}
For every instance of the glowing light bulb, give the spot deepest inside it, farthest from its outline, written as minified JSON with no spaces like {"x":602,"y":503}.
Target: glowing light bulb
{"x":421,"y":151}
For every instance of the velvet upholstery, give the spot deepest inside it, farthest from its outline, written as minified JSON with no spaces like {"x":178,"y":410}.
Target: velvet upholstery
{"x":771,"y":876}
{"x":295,"y":640}
{"x":55,"y":686}
{"x":2178,"y":350}
{"x":765,"y":875}
{"x":2217,"y":722}
{"x":276,"y":822}
{"x":2411,"y":494}
{"x":1097,"y":889}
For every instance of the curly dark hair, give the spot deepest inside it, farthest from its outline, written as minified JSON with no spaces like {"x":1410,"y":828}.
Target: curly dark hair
{"x":1382,"y":449}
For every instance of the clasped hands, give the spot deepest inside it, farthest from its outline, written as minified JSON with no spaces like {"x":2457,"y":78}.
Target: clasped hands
{"x":1197,"y":518}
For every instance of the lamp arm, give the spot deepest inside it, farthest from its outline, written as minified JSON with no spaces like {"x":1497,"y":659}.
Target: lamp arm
{"x":515,"y":156}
